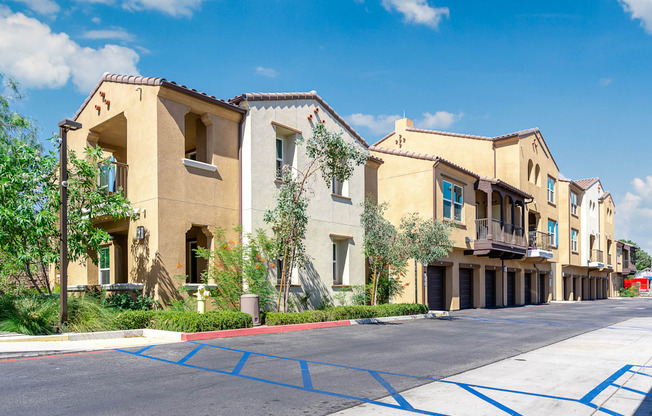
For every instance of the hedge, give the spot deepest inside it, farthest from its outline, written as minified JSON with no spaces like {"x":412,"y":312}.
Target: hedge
{"x":340,"y":313}
{"x":183,"y":321}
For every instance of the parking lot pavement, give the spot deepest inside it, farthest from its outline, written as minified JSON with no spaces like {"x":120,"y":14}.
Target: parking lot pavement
{"x":606,"y":371}
{"x":325,"y":370}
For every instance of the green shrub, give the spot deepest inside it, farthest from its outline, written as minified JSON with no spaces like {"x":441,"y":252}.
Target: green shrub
{"x":196,"y":322}
{"x":133,"y":319}
{"x":29,"y":315}
{"x":629,"y":292}
{"x":88,"y":314}
{"x":126,"y":301}
{"x":340,"y":313}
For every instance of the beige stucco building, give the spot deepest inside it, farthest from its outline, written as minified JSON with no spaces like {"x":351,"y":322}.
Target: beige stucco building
{"x":176,"y":154}
{"x":523,"y":247}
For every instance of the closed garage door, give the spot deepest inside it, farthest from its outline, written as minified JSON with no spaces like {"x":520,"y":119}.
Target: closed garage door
{"x":511,"y":288}
{"x":466,"y":288}
{"x":490,"y":288}
{"x":528,"y":298}
{"x":542,"y":288}
{"x":436,"y":288}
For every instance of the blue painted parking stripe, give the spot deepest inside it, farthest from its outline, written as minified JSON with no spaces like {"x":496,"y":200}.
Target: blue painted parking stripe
{"x":588,"y":398}
{"x":328,"y":393}
{"x":142,"y":350}
{"x":190,"y":354}
{"x":241,"y":363}
{"x":391,"y":390}
{"x":636,"y":391}
{"x":640,"y":374}
{"x":489,"y":400}
{"x":305,"y":375}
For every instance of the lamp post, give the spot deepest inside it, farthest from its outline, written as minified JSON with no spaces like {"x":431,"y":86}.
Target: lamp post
{"x":64,"y":127}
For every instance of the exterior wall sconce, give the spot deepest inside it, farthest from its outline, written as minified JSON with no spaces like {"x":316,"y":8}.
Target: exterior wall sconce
{"x":140,"y":232}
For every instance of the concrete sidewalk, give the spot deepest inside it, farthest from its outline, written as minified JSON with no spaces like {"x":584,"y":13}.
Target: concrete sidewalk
{"x":607,"y":371}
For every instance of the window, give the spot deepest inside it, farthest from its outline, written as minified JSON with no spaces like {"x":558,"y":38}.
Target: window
{"x":619,"y":252}
{"x":551,"y":190}
{"x":573,"y":201}
{"x":279,"y":158}
{"x":574,"y":234}
{"x":339,"y":188}
{"x":196,"y":139}
{"x":537,"y":171}
{"x":453,"y":201}
{"x":530,"y":171}
{"x":279,"y":270}
{"x":107,"y":175}
{"x":336,"y":275}
{"x":191,"y":253}
{"x":105,"y":265}
{"x":552,"y":230}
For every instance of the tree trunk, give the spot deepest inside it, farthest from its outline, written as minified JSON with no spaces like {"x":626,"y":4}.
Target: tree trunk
{"x":375,"y":287}
{"x":31,"y":278}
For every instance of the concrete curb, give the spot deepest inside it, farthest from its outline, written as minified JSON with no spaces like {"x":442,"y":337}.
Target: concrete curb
{"x":227,"y":333}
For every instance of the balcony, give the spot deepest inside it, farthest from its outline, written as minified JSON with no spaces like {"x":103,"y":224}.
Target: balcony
{"x":597,"y":259}
{"x":498,"y":240}
{"x":609,"y":263}
{"x":113,"y":177}
{"x":540,"y":245}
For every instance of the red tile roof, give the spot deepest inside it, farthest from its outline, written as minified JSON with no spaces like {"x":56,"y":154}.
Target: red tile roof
{"x":586,"y":183}
{"x":312,"y":95}
{"x":155,"y":81}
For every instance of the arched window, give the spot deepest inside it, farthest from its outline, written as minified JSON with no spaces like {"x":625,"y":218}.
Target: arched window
{"x":530,"y":168}
{"x":537,"y":175}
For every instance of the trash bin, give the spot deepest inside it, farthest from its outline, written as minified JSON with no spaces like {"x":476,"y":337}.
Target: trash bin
{"x":251,"y":304}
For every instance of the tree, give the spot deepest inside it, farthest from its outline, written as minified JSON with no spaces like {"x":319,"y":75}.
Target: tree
{"x":29,"y":202}
{"x":643,"y":260}
{"x":387,"y":248}
{"x":329,"y":156}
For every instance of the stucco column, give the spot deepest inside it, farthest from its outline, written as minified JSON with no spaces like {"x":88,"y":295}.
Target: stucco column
{"x":489,"y":215}
{"x":520,"y":287}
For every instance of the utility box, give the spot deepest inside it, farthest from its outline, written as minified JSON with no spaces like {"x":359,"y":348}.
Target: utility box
{"x":251,"y":304}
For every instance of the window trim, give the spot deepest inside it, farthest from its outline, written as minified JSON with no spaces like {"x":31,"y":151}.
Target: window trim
{"x":551,"y":191}
{"x":336,"y":278}
{"x":106,"y":249}
{"x":279,"y":171}
{"x":555,"y":231}
{"x":452,"y":201}
{"x":573,"y":203}
{"x":574,"y":241}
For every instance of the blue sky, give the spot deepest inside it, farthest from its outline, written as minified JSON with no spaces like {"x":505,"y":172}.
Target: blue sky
{"x":579,"y":70}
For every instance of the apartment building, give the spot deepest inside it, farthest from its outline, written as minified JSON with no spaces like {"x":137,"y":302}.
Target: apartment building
{"x":625,"y":266}
{"x":175,"y":153}
{"x":275,"y":124}
{"x":518,"y":224}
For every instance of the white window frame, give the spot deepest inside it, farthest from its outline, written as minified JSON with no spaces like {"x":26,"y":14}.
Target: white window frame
{"x":101,"y":269}
{"x":573,"y":201}
{"x":555,"y":232}
{"x":574,"y":246}
{"x":280,"y":161}
{"x":453,"y":203}
{"x":337,"y":279}
{"x":551,"y":191}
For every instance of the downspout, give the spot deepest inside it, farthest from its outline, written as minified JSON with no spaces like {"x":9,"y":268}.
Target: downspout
{"x":240,"y":138}
{"x":434,"y":217}
{"x":494,"y":148}
{"x":504,"y":289}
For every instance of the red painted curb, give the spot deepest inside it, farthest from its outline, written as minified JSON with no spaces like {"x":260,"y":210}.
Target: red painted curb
{"x":228,"y":333}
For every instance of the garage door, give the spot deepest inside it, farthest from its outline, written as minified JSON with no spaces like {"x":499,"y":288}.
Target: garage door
{"x":436,"y":288}
{"x":511,"y":288}
{"x":490,"y":288}
{"x":528,"y":298}
{"x":542,"y":288}
{"x":466,"y":288}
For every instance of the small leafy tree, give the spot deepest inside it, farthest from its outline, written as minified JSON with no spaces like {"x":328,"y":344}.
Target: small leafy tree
{"x":387,"y":248}
{"x":29,"y":201}
{"x":331,"y":157}
{"x":231,"y":264}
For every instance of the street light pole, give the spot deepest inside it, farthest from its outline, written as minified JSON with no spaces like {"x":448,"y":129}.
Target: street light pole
{"x":64,"y":126}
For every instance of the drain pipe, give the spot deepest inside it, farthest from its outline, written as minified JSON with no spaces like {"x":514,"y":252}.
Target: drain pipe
{"x":504,"y":288}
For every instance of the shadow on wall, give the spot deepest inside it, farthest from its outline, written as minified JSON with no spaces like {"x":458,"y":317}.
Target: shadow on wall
{"x":311,"y":282}
{"x":152,"y":274}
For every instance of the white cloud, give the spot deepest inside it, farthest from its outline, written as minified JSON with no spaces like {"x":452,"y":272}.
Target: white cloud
{"x":381,"y":124}
{"x":640,"y":9}
{"x":96,"y":20}
{"x":266,"y":72}
{"x":605,"y":81}
{"x":634,"y":215}
{"x":439,"y":120}
{"x":116,"y":33}
{"x":39,"y":58}
{"x":44,"y":7}
{"x":419,"y":12}
{"x":172,"y":7}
